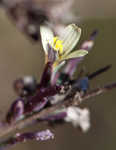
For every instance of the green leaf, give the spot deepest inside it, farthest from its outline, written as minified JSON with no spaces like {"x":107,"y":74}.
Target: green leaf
{"x":46,"y":37}
{"x":76,"y":54}
{"x":70,"y":37}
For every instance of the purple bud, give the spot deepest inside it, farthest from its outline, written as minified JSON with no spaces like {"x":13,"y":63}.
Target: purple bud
{"x":54,"y":117}
{"x":18,"y":86}
{"x":16,"y":111}
{"x":44,"y":135}
{"x":24,"y":137}
{"x":46,"y":75}
{"x":71,"y":66}
{"x":39,"y":136}
{"x":37,"y":102}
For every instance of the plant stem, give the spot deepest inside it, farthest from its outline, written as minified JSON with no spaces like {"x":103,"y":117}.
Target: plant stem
{"x":9,"y":128}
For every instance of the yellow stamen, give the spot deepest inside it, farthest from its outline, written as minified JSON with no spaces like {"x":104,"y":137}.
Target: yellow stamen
{"x":57,"y":45}
{"x":55,"y":39}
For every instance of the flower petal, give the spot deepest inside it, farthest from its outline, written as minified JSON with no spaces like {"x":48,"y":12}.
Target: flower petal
{"x":76,"y":54}
{"x":70,"y":37}
{"x":46,"y":37}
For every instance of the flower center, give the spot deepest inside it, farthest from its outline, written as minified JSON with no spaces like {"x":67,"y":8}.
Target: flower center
{"x":57,"y":45}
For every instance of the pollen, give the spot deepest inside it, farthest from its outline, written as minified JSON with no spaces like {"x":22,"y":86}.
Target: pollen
{"x":57,"y":45}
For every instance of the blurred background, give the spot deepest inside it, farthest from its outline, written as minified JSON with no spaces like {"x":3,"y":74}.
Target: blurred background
{"x":100,"y":9}
{"x":19,"y":57}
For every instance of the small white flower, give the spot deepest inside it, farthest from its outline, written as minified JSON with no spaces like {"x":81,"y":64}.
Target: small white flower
{"x":78,"y":117}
